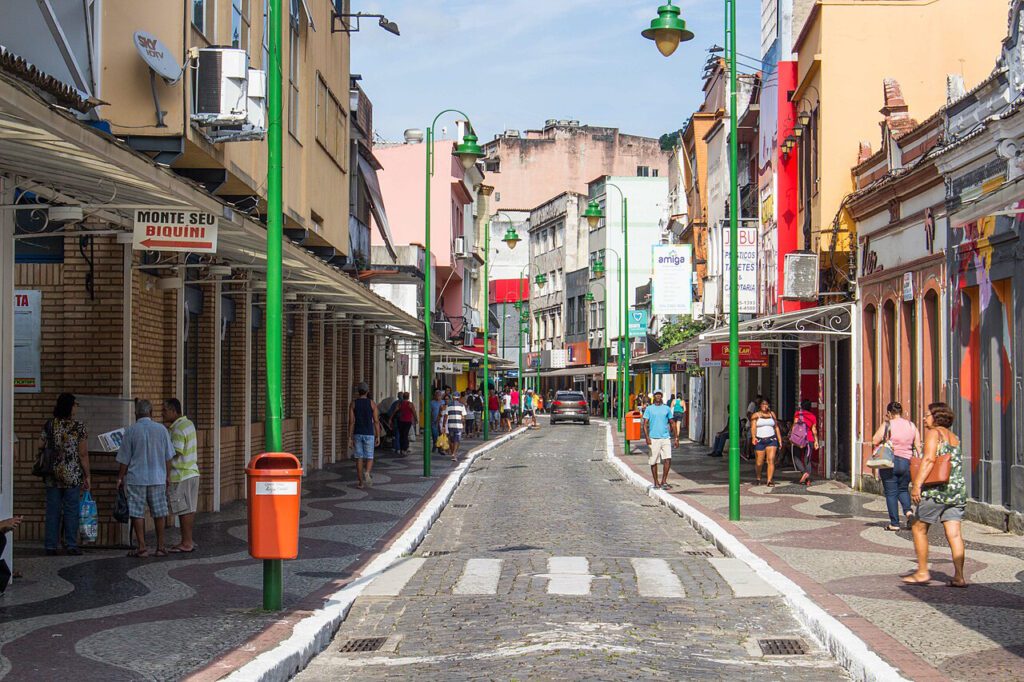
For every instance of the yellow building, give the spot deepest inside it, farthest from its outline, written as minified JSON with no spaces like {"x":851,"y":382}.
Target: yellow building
{"x":845,"y":51}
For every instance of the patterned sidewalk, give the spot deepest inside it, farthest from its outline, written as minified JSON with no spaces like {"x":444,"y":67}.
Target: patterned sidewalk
{"x":105,"y":616}
{"x":831,"y":541}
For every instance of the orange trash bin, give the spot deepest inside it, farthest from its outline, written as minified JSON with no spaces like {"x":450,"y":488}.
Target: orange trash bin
{"x":275,"y":485}
{"x":633,"y":419}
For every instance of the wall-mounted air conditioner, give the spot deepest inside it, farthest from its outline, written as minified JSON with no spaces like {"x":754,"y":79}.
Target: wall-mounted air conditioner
{"x":221,"y":87}
{"x":468,"y":338}
{"x":460,"y":247}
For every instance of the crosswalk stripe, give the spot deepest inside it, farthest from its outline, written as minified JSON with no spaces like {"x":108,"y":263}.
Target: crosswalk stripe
{"x":480,"y":576}
{"x":391,"y":582}
{"x":655,"y":578}
{"x":741,"y":578}
{"x":569,"y":575}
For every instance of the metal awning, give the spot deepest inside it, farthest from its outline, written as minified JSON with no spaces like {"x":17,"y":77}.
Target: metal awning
{"x":377,"y":205}
{"x":590,"y":370}
{"x":821,"y":321}
{"x":49,"y":152}
{"x":441,"y":350}
{"x":684,"y":351}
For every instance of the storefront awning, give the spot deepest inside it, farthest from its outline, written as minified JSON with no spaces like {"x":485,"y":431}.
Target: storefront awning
{"x":568,"y":372}
{"x":685,"y":351}
{"x":377,"y":205}
{"x":806,"y":325}
{"x":442,"y":350}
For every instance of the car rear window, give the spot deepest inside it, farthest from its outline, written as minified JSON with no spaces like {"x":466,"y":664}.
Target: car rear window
{"x":565,"y":395}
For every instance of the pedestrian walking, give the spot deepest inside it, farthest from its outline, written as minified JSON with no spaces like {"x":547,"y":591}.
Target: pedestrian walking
{"x":436,"y":406}
{"x":658,"y":434}
{"x":494,"y":410}
{"x":766,"y":439}
{"x":455,"y":424}
{"x":904,"y":438}
{"x":942,"y":502}
{"x":68,"y":439}
{"x":405,"y":416}
{"x":145,"y":453}
{"x":364,"y":435}
{"x":182,"y":473}
{"x":803,"y":435}
{"x":678,"y":415}
{"x":516,"y":405}
{"x":506,"y":411}
{"x":529,"y":409}
{"x":470,"y":430}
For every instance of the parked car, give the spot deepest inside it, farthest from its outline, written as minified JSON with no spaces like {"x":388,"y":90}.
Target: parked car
{"x":570,"y":406}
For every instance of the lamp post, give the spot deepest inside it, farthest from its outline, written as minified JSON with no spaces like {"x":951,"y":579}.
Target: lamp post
{"x":511,"y":238}
{"x":468,"y":152}
{"x":604,"y":336}
{"x":668,"y":30}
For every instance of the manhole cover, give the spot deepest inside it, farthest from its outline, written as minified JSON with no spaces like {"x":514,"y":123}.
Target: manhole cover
{"x":437,"y":552}
{"x":363,"y":644}
{"x":461,"y":506}
{"x":701,"y":552}
{"x":782,"y":647}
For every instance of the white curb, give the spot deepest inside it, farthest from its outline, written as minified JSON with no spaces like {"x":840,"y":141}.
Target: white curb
{"x":849,"y":650}
{"x":312,"y":634}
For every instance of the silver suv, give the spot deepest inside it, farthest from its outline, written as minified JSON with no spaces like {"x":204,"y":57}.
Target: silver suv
{"x":570,"y":406}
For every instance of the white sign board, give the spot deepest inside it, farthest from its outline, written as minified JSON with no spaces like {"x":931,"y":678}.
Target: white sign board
{"x":160,"y":229}
{"x":704,"y":356}
{"x":28,"y":311}
{"x":672,"y":279}
{"x":558,"y":358}
{"x":908,"y":286}
{"x":277,"y":487}
{"x":746,"y":267}
{"x":449,"y":367}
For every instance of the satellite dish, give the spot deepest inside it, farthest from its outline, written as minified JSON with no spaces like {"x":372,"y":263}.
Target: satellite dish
{"x":158,"y":57}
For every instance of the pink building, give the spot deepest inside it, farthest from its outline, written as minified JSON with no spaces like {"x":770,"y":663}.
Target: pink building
{"x":402,"y":186}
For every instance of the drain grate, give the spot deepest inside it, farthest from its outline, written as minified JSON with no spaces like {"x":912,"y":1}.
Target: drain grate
{"x":650,"y":506}
{"x":461,"y":506}
{"x":517,"y":466}
{"x":486,"y":459}
{"x":363,"y":644}
{"x":701,"y":552}
{"x":615,"y":480}
{"x":437,"y":552}
{"x":782,"y":647}
{"x":599,"y":459}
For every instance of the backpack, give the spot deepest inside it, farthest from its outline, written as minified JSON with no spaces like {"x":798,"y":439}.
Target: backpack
{"x":799,"y":435}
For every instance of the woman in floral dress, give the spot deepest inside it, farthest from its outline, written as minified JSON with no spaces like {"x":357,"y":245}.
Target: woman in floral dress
{"x":68,"y":437}
{"x":941,"y":503}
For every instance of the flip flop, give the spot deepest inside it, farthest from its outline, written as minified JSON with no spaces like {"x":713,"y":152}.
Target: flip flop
{"x":138,"y":554}
{"x":160,"y":553}
{"x":893,"y":528}
{"x":919,"y":583}
{"x":962,"y":586}
{"x":177,"y":549}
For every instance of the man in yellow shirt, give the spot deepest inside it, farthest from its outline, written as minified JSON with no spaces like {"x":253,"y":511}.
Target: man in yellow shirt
{"x":182,"y":473}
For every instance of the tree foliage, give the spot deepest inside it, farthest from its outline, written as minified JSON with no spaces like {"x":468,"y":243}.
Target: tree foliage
{"x":681,"y":330}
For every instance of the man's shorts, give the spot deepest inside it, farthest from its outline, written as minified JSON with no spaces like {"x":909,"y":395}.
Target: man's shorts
{"x":933,"y":512}
{"x":495,"y":415}
{"x":363,"y":446}
{"x":470,"y":424}
{"x":455,"y":435}
{"x":507,"y":414}
{"x":661,"y":451}
{"x":184,"y":496}
{"x":528,"y":412}
{"x":141,"y":495}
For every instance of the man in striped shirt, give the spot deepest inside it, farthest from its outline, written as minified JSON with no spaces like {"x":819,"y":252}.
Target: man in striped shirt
{"x":182,"y":473}
{"x":454,"y":423}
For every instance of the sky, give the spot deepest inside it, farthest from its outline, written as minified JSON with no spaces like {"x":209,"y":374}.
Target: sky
{"x":512,"y":64}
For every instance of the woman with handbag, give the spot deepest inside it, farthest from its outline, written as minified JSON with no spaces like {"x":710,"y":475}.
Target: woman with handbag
{"x":939,"y":490}
{"x":67,"y":437}
{"x":902,"y":436}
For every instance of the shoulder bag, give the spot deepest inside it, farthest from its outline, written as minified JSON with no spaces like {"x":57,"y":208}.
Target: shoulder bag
{"x":884,"y":457}
{"x":46,"y":460}
{"x":941,"y":469}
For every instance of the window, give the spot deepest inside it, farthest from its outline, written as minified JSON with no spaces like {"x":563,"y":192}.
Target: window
{"x":932,"y":349}
{"x":908,"y":356}
{"x":871,"y":364}
{"x":203,"y":13}
{"x":643,"y":171}
{"x":240,"y":24}
{"x":265,"y":60}
{"x":889,"y":351}
{"x":330,"y":122}
{"x":227,"y":372}
{"x":294,"y":65}
{"x":654,"y":172}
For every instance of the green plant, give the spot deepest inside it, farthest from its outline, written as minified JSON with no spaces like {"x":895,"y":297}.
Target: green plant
{"x":681,"y":330}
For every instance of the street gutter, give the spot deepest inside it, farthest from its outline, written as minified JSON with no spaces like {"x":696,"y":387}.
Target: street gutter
{"x":313,"y":634}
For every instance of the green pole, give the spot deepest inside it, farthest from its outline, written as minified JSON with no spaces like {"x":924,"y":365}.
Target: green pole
{"x":625,"y":301}
{"x":428,"y":297}
{"x":272,"y":579}
{"x":619,"y":350}
{"x":734,"y":298}
{"x":486,"y":417}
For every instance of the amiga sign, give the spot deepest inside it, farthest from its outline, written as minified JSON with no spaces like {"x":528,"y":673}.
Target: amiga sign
{"x":175,"y":230}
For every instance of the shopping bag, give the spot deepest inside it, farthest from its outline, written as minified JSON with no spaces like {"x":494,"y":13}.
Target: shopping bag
{"x":121,"y":514}
{"x":442,"y":442}
{"x":88,"y":523}
{"x":883,"y":457}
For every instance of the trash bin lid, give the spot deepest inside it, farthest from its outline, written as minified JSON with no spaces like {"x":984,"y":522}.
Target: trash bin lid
{"x":274,"y":464}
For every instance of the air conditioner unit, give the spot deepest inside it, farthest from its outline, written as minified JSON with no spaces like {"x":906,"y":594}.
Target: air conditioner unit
{"x":221,"y":88}
{"x":801,"y":278}
{"x":460,"y":247}
{"x":443,"y":330}
{"x":468,"y":338}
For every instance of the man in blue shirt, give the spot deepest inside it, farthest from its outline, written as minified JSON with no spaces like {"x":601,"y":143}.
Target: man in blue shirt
{"x":144,"y":453}
{"x":659,"y":438}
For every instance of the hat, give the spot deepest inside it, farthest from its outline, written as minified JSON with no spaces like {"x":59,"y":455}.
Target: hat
{"x":457,"y":395}
{"x":362,"y":388}
{"x":659,"y":392}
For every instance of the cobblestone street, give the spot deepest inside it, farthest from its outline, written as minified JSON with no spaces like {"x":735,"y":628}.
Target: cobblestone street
{"x":547,"y":564}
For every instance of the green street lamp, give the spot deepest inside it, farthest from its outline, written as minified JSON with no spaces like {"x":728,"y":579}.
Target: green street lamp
{"x":468,"y":151}
{"x":511,"y":238}
{"x":668,"y":34}
{"x":599,"y":269}
{"x":604,"y":336}
{"x":593,"y":214}
{"x":624,"y":385}
{"x":667,"y":29}
{"x":540,"y":280}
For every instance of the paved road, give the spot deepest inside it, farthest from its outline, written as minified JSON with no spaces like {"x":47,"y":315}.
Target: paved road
{"x":542,"y":567}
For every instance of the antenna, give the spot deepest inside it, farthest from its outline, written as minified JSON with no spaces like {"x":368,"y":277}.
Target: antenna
{"x":161,"y":63}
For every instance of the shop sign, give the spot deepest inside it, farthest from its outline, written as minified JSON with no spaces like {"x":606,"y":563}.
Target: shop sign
{"x":28,"y":310}
{"x":908,"y":286}
{"x":451,"y":367}
{"x":717,"y":354}
{"x":577,"y":353}
{"x":637,"y":320}
{"x":746,"y":268}
{"x":159,"y":229}
{"x":661,"y":367}
{"x":403,"y":364}
{"x":557,"y":358}
{"x":678,"y":367}
{"x":671,"y":279}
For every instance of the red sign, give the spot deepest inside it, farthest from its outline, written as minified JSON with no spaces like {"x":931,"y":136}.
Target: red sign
{"x":750,"y":352}
{"x":577,"y":353}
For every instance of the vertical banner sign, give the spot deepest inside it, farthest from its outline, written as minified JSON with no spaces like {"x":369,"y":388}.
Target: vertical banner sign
{"x":746,"y":265}
{"x":672,"y":279}
{"x":637,"y":320}
{"x":27,"y":341}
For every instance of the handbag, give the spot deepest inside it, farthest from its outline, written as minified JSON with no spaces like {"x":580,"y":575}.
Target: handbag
{"x":120,"y":512}
{"x":884,"y":457}
{"x":939,"y":474}
{"x":46,"y":460}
